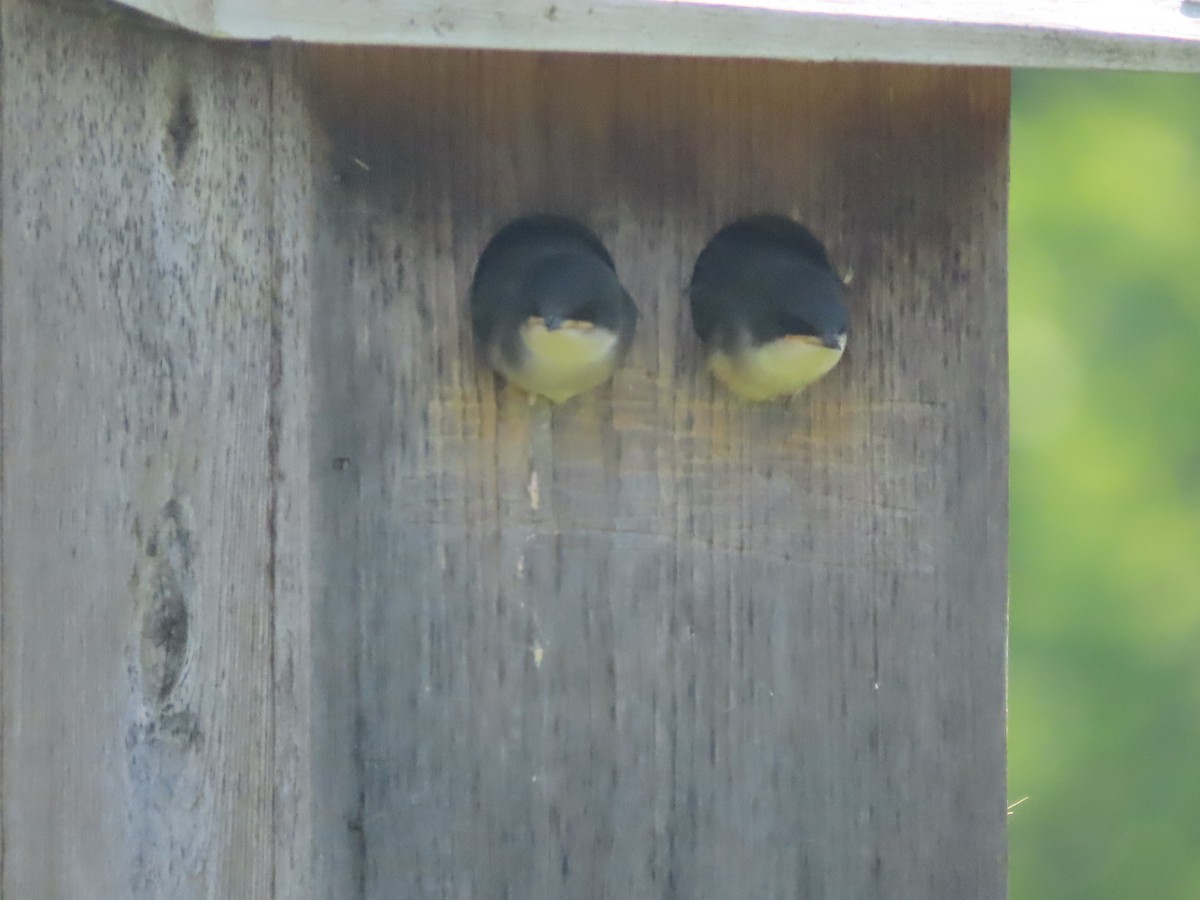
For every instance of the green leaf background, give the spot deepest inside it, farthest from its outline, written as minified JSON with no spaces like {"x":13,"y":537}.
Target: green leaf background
{"x":1104,"y":709}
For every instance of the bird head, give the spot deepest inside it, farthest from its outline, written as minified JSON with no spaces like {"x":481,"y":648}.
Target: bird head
{"x":801,"y":301}
{"x":577,"y":290}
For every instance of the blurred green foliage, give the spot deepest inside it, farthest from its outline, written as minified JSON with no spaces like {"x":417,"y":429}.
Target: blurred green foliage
{"x":1104,"y":711}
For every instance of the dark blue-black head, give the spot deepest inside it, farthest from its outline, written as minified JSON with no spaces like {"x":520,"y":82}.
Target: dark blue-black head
{"x":577,"y":287}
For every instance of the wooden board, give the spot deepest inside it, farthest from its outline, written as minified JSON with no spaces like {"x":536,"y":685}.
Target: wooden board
{"x":297,"y":602}
{"x":137,"y":719}
{"x":655,"y":643}
{"x":1116,"y":34}
{"x":298,"y":861}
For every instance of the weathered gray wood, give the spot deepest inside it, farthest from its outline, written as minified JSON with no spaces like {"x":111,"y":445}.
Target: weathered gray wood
{"x":137,"y":597}
{"x":656,"y":643}
{"x":285,"y":611}
{"x":297,"y":855}
{"x":1114,"y":34}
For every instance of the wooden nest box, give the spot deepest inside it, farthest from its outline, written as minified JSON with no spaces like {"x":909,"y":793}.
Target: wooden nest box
{"x":299,"y":601}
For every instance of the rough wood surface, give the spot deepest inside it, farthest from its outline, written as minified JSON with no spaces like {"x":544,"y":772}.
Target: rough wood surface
{"x":294,"y":577}
{"x":654,"y":643}
{"x":297,"y":602}
{"x":1114,"y":34}
{"x":137,"y":607}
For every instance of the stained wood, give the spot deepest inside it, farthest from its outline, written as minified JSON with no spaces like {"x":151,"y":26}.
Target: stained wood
{"x":656,"y":643}
{"x":137,"y":592}
{"x":1116,"y":34}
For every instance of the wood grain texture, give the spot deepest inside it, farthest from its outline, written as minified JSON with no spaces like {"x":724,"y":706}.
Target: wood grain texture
{"x":1115,"y":34}
{"x":656,"y":643}
{"x":291,"y":525}
{"x":137,"y":608}
{"x":296,"y":601}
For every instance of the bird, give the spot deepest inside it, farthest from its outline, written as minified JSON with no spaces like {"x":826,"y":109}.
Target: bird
{"x":767,"y":306}
{"x":547,"y":309}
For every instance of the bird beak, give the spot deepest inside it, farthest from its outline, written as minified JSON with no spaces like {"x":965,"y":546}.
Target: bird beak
{"x":556,"y":323}
{"x":834,"y":341}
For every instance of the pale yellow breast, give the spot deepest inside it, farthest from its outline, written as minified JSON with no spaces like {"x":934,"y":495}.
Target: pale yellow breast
{"x":566,"y":361}
{"x":778,"y":369}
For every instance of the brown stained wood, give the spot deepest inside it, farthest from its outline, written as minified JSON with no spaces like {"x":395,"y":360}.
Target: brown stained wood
{"x":137,"y":609}
{"x":656,"y":643}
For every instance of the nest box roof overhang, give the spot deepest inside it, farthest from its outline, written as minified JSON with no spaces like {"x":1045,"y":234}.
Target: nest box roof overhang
{"x":1102,"y":34}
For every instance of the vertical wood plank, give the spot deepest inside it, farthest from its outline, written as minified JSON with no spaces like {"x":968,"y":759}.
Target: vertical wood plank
{"x":137,"y":313}
{"x":297,"y":872}
{"x":656,"y":643}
